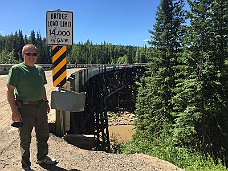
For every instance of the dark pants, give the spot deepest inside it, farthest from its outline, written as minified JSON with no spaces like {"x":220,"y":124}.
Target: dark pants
{"x":33,"y":115}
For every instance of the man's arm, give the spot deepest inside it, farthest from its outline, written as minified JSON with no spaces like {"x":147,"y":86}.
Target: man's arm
{"x":16,"y":116}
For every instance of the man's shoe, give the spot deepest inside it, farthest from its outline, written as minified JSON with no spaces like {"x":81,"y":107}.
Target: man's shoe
{"x":47,"y":161}
{"x":27,"y":169}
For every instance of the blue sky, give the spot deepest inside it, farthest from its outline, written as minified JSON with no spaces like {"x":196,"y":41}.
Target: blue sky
{"x":120,"y":22}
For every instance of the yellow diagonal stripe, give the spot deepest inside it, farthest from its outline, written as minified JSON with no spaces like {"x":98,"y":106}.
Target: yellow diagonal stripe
{"x":59,"y":79}
{"x":59,"y":66}
{"x":64,"y":85}
{"x":53,"y":47}
{"x":58,"y":54}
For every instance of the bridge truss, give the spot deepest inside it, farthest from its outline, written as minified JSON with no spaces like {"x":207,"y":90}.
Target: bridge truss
{"x":106,"y":88}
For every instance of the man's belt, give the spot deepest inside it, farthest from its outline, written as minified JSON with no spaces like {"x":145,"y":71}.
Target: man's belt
{"x":32,"y":102}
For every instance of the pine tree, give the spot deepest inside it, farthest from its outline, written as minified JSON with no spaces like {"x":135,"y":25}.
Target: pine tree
{"x":202,"y":115}
{"x":166,"y":44}
{"x":32,"y":38}
{"x":21,"y":44}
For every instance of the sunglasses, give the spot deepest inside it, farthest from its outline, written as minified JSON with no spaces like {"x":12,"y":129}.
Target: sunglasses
{"x":30,"y":54}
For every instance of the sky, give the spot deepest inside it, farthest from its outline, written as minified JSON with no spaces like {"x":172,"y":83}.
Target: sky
{"x":120,"y":22}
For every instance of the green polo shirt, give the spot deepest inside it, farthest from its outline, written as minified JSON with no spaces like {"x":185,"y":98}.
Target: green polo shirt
{"x":28,"y":81}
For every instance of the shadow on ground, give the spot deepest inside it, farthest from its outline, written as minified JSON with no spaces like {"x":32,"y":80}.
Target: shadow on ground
{"x":55,"y":168}
{"x":78,"y":140}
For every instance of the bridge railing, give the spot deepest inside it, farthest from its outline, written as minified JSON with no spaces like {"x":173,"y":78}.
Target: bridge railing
{"x":4,"y":68}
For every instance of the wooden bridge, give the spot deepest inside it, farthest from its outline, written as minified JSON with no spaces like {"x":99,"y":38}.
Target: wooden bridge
{"x":81,"y":107}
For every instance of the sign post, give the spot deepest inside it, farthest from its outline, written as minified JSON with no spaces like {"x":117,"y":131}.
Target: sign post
{"x":59,"y":34}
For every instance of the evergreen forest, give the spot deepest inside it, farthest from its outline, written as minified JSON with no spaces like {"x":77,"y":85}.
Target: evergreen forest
{"x":182,"y":104}
{"x":82,"y":53}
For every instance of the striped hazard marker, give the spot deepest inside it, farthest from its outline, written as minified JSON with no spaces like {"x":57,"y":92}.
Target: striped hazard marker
{"x":59,"y":73}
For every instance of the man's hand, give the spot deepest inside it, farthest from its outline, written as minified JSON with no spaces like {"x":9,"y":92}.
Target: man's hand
{"x":16,"y":116}
{"x":48,"y":108}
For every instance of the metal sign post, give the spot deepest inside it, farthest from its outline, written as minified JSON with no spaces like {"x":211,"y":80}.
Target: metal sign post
{"x":59,"y":34}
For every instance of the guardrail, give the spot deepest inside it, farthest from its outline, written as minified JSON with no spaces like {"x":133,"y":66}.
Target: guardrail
{"x":4,"y":68}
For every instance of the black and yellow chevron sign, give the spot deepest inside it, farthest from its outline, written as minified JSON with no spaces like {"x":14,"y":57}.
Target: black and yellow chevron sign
{"x":59,"y":73}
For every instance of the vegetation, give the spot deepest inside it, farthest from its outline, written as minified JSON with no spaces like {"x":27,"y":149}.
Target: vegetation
{"x":11,"y":47}
{"x":164,"y":148}
{"x":83,"y":53}
{"x":182,"y":105}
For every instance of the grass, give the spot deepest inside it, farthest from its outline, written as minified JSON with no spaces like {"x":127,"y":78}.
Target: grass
{"x":184,"y":158}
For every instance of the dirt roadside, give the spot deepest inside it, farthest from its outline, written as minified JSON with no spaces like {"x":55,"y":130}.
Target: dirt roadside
{"x":71,"y":158}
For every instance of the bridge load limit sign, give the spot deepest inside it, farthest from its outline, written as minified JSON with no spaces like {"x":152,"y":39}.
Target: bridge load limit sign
{"x":59,"y":28}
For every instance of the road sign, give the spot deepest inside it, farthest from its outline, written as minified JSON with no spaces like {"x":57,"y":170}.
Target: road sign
{"x":59,"y":28}
{"x":59,"y":66}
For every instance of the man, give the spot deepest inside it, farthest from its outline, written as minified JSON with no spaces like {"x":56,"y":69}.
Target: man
{"x":28,"y":101}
